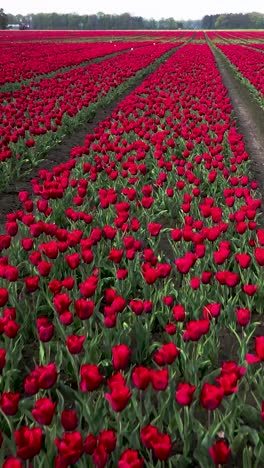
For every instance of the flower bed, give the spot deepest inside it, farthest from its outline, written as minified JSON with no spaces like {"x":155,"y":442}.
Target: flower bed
{"x":131,"y":289}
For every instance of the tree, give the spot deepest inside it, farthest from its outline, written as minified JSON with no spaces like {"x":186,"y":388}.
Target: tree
{"x":3,"y":19}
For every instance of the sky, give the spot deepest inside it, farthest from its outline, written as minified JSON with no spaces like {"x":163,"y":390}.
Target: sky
{"x":186,"y":9}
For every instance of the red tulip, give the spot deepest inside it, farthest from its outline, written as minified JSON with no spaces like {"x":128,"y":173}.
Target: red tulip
{"x":28,"y":442}
{"x":43,"y":411}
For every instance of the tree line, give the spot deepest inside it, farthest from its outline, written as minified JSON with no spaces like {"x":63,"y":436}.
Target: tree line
{"x":252,"y":20}
{"x":125,"y":21}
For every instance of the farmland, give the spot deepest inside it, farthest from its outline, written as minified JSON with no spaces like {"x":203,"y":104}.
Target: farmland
{"x":131,"y":249}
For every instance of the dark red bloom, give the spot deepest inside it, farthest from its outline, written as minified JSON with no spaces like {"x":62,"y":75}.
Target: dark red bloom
{"x":12,"y":462}
{"x":108,"y":440}
{"x":220,"y":452}
{"x":45,"y":329}
{"x":120,"y":356}
{"x":243,"y":316}
{"x":99,"y":456}
{"x":47,"y":376}
{"x":119,"y":397}
{"x":130,"y":459}
{"x":211,"y":396}
{"x":70,"y":447}
{"x":43,"y":411}
{"x":166,"y":355}
{"x":3,"y":297}
{"x":69,"y":420}
{"x":141,"y":377}
{"x":161,"y":446}
{"x":83,"y":308}
{"x":75,"y":343}
{"x":159,"y":379}
{"x":28,"y":442}
{"x":9,"y":403}
{"x":184,"y":394}
{"x":89,"y":444}
{"x":91,"y":378}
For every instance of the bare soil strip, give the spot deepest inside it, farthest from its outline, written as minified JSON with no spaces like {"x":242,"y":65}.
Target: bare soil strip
{"x":249,"y":117}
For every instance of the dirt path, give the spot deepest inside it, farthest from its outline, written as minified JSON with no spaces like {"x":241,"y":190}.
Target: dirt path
{"x":249,"y":117}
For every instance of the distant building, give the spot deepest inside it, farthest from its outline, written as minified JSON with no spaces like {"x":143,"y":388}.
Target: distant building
{"x":20,"y":26}
{"x":13,"y":26}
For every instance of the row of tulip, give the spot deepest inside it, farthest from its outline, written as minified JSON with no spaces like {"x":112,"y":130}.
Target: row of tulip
{"x":38,"y":115}
{"x":249,"y":64}
{"x":20,"y":63}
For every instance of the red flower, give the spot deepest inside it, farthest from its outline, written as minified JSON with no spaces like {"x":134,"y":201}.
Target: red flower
{"x":137,"y":306}
{"x":88,"y":287}
{"x":47,"y":376}
{"x":154,"y":229}
{"x":161,"y":446}
{"x":195,"y":329}
{"x":130,"y":459}
{"x":99,"y":456}
{"x":90,"y":443}
{"x":43,"y":411}
{"x":170,"y":328}
{"x":244,"y":260}
{"x":220,"y":452}
{"x":116,"y":255}
{"x":259,"y":348}
{"x":70,"y":447}
{"x":28,"y":442}
{"x":211,"y":396}
{"x":9,"y":403}
{"x":211,"y":310}
{"x":75,"y":343}
{"x":2,"y":359}
{"x":73,"y":260}
{"x":159,"y":379}
{"x":50,"y":249}
{"x":83,"y":308}
{"x":184,"y":394}
{"x":69,"y":420}
{"x":228,"y":382}
{"x":109,"y":232}
{"x":3,"y":297}
{"x":178,"y":313}
{"x":141,"y":377}
{"x":259,"y":254}
{"x":12,"y":462}
{"x":45,"y":329}
{"x":243,"y":316}
{"x":31,"y":283}
{"x":120,"y":356}
{"x":250,"y":289}
{"x":91,"y":378}
{"x":61,"y":302}
{"x":108,"y":440}
{"x":185,"y":264}
{"x":119,"y":397}
{"x":147,"y":435}
{"x":166,"y":355}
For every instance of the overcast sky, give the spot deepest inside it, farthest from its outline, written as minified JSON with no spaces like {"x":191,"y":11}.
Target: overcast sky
{"x":185,"y":9}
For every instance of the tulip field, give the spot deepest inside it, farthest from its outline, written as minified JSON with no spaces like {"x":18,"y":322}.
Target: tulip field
{"x":131,"y":272}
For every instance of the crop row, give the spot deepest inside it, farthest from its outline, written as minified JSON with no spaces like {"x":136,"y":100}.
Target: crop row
{"x":19,"y":62}
{"x":249,"y":62}
{"x":34,"y":115}
{"x":131,"y":287}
